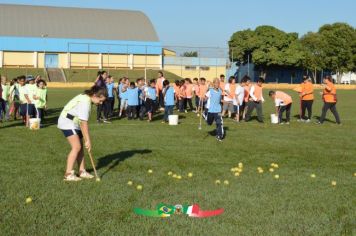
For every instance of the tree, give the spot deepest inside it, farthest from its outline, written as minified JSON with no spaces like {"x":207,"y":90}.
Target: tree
{"x":190,"y":54}
{"x":313,"y":50}
{"x":267,"y":46}
{"x":338,"y":42}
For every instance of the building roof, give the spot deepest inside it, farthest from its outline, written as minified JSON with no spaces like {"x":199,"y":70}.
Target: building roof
{"x":75,"y":23}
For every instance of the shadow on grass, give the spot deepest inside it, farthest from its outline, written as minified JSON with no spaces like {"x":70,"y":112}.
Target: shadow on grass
{"x":112,"y":160}
{"x":326,"y":119}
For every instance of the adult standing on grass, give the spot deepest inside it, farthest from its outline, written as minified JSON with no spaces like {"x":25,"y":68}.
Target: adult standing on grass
{"x":283,"y":103}
{"x":307,"y":99}
{"x":159,"y":88}
{"x":330,"y":100}
{"x":73,"y":122}
{"x":255,"y":101}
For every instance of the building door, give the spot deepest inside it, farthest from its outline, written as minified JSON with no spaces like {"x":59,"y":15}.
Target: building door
{"x":51,"y":61}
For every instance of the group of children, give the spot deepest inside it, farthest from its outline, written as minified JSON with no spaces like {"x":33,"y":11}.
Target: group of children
{"x":212,"y":100}
{"x":23,"y":96}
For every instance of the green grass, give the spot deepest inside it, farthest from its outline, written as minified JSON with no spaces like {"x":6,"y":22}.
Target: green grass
{"x":33,"y":163}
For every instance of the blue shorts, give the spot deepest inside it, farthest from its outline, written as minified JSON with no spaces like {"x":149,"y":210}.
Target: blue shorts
{"x":69,"y":132}
{"x":28,"y":109}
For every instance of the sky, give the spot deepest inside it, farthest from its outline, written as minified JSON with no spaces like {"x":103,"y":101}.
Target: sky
{"x":210,"y":23}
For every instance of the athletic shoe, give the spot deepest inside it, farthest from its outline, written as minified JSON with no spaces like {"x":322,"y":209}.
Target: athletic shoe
{"x":301,"y":120}
{"x":287,"y":123}
{"x":282,"y":123}
{"x":71,"y":177}
{"x":219,"y":138}
{"x":318,"y":123}
{"x":85,"y":175}
{"x":99,"y":121}
{"x":307,"y":121}
{"x":106,"y":121}
{"x":186,"y":111}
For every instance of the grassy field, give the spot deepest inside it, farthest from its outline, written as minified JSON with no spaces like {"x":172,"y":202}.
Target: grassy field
{"x":33,"y":163}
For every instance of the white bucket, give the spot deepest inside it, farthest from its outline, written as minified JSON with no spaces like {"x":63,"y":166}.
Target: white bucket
{"x":173,"y":119}
{"x":35,"y":123}
{"x":274,"y":119}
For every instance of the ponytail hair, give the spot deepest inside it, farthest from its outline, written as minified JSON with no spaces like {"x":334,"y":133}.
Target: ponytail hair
{"x":97,"y":91}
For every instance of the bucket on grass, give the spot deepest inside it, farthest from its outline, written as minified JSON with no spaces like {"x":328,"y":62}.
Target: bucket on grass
{"x":274,"y":119}
{"x":35,"y":123}
{"x":173,"y":119}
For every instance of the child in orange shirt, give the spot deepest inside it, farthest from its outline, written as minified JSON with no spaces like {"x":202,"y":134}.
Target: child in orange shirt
{"x":181,"y":96}
{"x":203,"y":88}
{"x":196,"y":93}
{"x":188,"y":94}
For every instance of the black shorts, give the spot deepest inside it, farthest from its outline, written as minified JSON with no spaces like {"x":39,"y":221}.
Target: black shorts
{"x":69,"y":132}
{"x":27,"y":109}
{"x":150,"y":105}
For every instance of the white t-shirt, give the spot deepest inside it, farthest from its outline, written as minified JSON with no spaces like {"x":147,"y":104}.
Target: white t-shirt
{"x":240,"y":94}
{"x":81,"y":110}
{"x":279,"y":102}
{"x":31,"y":89}
{"x":227,"y":90}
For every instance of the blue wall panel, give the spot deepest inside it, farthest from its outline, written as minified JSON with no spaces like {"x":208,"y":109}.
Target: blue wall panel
{"x":78,"y":45}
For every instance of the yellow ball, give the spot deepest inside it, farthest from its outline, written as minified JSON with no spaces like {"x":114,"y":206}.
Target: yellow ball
{"x":276,"y":176}
{"x":190,"y":175}
{"x":150,"y":171}
{"x":28,"y":200}
{"x":237,"y":174}
{"x":312,"y":175}
{"x":174,"y":176}
{"x":179,"y":177}
{"x":333,"y":183}
{"x":241,"y":165}
{"x":355,"y":174}
{"x":130,"y":183}
{"x":139,"y":187}
{"x":217,"y":181}
{"x":239,"y":170}
{"x":170,"y":173}
{"x":232,"y":169}
{"x":260,"y":171}
{"x":226,"y":182}
{"x":97,"y":179}
{"x":271,"y":169}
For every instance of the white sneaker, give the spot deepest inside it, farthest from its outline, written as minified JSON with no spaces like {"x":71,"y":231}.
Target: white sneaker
{"x":71,"y":177}
{"x":307,"y":121}
{"x":85,"y":175}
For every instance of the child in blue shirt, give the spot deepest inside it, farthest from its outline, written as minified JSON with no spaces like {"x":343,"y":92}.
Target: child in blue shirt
{"x":214,"y":96}
{"x":123,"y":95}
{"x":132,"y":101}
{"x":168,"y":94}
{"x":110,"y":100}
{"x":150,"y":97}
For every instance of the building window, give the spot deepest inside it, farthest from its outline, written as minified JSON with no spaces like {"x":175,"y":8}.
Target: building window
{"x":205,"y":68}
{"x":190,"y":68}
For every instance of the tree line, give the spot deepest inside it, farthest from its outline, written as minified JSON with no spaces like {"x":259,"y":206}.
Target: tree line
{"x":332,"y":48}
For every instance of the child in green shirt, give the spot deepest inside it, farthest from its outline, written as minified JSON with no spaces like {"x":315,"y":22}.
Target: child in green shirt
{"x":40,"y":98}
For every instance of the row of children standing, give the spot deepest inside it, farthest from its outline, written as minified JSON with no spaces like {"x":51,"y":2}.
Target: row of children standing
{"x":24,"y":96}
